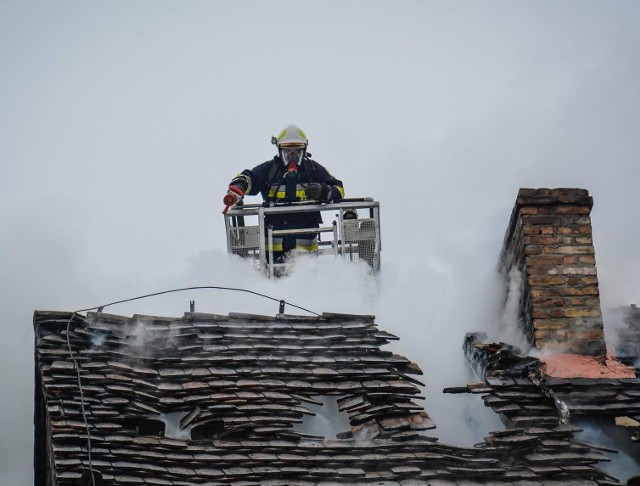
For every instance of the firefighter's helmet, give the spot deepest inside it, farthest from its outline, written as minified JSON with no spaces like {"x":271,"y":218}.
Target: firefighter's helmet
{"x":291,"y":136}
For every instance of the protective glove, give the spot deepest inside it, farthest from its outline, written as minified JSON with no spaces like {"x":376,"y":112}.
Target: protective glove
{"x":318,"y":192}
{"x":234,"y":196}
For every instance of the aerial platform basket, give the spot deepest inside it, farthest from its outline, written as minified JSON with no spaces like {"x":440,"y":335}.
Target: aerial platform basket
{"x":353,"y":234}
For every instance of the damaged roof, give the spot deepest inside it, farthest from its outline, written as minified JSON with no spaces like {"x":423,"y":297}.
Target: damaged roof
{"x":241,"y":384}
{"x":521,"y":387}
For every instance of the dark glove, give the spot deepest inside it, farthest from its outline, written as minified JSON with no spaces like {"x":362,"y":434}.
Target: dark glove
{"x":233,"y":196}
{"x":318,"y":192}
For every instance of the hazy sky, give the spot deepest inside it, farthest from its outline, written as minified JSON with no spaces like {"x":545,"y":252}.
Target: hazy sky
{"x":122,"y":122}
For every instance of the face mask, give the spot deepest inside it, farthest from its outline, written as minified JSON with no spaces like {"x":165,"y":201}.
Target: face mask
{"x":292,"y":156}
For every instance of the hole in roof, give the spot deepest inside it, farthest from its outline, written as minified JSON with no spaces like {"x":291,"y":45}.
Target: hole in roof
{"x":327,"y":422}
{"x":211,"y":429}
{"x":176,"y":427}
{"x":462,"y":419}
{"x":151,"y":426}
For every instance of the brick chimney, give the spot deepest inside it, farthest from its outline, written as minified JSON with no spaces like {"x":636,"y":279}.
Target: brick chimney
{"x":549,"y":241}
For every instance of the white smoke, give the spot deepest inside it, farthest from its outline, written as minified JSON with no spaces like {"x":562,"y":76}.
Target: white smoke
{"x":623,"y":464}
{"x":430,"y":327}
{"x":511,"y":328}
{"x":614,"y":322}
{"x":327,"y":422}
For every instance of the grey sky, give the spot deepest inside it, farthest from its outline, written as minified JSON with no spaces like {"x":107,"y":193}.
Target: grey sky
{"x":122,"y":122}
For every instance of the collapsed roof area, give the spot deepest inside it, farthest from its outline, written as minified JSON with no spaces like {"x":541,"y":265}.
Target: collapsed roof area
{"x":220,"y":400}
{"x":517,"y":387}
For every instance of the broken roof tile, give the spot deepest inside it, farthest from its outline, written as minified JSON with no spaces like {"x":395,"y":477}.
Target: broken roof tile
{"x":240,"y":382}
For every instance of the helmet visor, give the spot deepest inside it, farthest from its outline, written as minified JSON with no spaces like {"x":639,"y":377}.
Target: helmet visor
{"x":292,"y":154}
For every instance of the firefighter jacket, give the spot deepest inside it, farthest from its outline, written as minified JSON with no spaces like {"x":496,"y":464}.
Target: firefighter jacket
{"x":271,"y":180}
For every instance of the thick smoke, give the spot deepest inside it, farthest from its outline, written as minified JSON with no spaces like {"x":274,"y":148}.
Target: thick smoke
{"x":623,"y":464}
{"x":511,"y":328}
{"x":430,"y":327}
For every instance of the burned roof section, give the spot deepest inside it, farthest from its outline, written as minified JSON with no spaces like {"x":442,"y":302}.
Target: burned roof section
{"x":535,"y":404}
{"x":236,"y":387}
{"x":518,"y":387}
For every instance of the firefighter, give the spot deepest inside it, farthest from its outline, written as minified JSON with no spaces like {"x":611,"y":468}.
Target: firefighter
{"x":290,"y":176}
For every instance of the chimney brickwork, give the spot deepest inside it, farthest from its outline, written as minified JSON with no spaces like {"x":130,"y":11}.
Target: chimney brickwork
{"x":549,"y":241}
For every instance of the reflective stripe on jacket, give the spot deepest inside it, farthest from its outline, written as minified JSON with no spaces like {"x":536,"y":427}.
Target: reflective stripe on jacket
{"x":256,"y":181}
{"x":271,"y":181}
